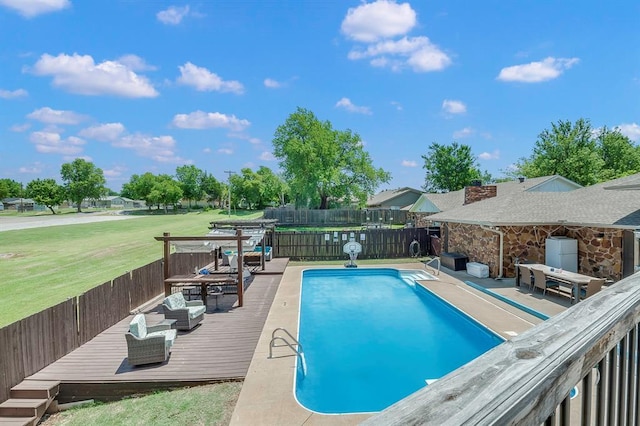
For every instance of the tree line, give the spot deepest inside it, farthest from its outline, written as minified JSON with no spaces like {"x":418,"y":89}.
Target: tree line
{"x":323,"y":167}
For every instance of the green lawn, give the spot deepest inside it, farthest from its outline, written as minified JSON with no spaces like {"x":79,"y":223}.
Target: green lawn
{"x":202,"y":405}
{"x":44,"y":266}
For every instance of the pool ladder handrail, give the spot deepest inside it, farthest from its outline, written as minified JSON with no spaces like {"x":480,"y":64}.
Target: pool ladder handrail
{"x":428,"y":263}
{"x":274,"y":339}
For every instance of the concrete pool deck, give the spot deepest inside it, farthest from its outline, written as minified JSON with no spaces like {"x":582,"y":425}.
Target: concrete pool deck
{"x":267,"y":395}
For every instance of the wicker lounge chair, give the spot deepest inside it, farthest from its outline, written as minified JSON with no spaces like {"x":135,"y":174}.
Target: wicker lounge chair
{"x":540,"y":281}
{"x":594,"y":286}
{"x":187,"y":313}
{"x":525,"y":276}
{"x":148,"y":345}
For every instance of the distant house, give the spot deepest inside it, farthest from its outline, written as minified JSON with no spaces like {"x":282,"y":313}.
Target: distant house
{"x":504,"y":225}
{"x":114,"y":202}
{"x":401,"y":198}
{"x":21,"y":204}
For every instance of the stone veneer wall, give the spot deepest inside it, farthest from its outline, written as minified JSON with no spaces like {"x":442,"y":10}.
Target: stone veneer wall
{"x":599,"y":249}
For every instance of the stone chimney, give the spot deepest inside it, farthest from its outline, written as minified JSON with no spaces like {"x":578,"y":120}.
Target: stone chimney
{"x":479,"y":193}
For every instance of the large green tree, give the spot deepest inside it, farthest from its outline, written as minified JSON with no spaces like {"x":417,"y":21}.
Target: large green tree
{"x":166,"y":191}
{"x":619,"y":155}
{"x":82,"y":179}
{"x":10,"y":188}
{"x":212,"y":188}
{"x":451,"y":167}
{"x":245,"y":188}
{"x":46,"y":192}
{"x":139,"y":187}
{"x":190,"y":178}
{"x":567,"y":149}
{"x":320,"y":163}
{"x":274,"y":189}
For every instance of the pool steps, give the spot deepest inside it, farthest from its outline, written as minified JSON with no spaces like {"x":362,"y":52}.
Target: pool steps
{"x":412,"y":275}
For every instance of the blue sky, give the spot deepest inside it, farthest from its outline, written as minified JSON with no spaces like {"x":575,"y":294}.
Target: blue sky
{"x":137,"y":86}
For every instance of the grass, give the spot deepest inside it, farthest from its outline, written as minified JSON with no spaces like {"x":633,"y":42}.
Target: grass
{"x":44,"y":266}
{"x":202,"y":405}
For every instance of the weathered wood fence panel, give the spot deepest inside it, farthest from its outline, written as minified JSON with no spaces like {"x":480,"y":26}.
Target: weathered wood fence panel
{"x":327,"y":245}
{"x":32,"y":343}
{"x":144,"y":284}
{"x":335,"y":217}
{"x":184,"y":263}
{"x":11,"y":365}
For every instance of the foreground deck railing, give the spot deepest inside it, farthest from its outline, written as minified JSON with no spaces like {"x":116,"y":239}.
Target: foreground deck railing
{"x":527,"y":380}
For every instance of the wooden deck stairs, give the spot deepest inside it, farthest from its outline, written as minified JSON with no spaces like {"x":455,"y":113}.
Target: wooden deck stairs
{"x":28,"y":402}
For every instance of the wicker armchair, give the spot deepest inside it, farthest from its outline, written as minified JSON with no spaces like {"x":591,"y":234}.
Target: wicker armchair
{"x":187,"y":313}
{"x":148,"y":345}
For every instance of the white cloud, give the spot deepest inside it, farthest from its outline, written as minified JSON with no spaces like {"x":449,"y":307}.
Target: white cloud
{"x":205,"y":81}
{"x":536,"y":72}
{"x":244,"y":137}
{"x":103,"y":132}
{"x":13,"y":94}
{"x":52,"y":116}
{"x":346,"y":103}
{"x":226,"y":151}
{"x":208,"y":120}
{"x":18,"y":128}
{"x":158,"y":148}
{"x":463,"y":133}
{"x":135,"y":63}
{"x":409,"y":163}
{"x":114,"y":172}
{"x":31,"y":8}
{"x":398,"y":105}
{"x":272,"y":84}
{"x":80,"y":74}
{"x":70,"y":158}
{"x":454,"y":107}
{"x":267,"y":156}
{"x":52,"y":143}
{"x":417,"y":53}
{"x":370,"y":22}
{"x":35,"y":168}
{"x":632,"y":131}
{"x":495,"y":155}
{"x":172,"y":15}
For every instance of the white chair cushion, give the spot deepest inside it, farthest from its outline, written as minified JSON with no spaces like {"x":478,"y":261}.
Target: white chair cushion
{"x":138,"y":326}
{"x":175,"y":301}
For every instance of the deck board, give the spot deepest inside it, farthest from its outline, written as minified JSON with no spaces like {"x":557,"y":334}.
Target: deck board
{"x":218,"y":349}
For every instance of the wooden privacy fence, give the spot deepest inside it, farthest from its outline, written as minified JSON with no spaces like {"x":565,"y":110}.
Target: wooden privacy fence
{"x":28,"y":345}
{"x":335,"y":217}
{"x":327,"y":245}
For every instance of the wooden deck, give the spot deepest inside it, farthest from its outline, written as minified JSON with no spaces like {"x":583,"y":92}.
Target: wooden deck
{"x":219,"y":349}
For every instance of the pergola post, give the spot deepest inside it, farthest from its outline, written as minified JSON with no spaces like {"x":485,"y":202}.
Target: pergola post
{"x":240,"y":267}
{"x":165,"y":267}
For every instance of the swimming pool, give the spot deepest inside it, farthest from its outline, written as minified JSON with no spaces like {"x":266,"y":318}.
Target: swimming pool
{"x":371,"y":337}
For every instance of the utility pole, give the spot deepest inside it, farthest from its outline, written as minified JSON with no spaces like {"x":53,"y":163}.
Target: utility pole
{"x":229,"y":172}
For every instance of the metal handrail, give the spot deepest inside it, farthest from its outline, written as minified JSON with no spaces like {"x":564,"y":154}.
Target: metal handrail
{"x":428,"y":263}
{"x":274,"y":338}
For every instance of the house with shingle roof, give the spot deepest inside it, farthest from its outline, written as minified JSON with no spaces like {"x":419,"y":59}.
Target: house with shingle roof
{"x":513,"y":225}
{"x":400,"y":199}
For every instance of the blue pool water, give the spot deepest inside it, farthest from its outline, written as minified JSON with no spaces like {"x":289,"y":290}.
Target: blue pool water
{"x":371,"y":338}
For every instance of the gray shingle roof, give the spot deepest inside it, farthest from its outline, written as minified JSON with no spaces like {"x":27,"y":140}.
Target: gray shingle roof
{"x":597,"y":205}
{"x":389,"y":194}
